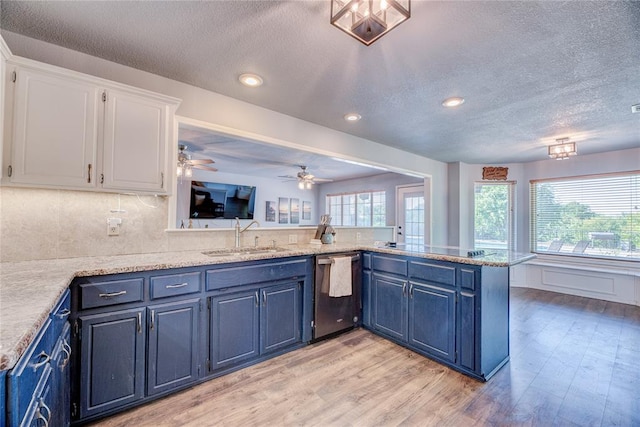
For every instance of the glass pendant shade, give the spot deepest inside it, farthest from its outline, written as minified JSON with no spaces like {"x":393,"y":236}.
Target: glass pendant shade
{"x":368,"y":20}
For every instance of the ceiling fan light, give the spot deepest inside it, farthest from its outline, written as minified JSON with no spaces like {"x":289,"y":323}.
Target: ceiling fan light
{"x":308,"y":185}
{"x":188,"y":172}
{"x":179,"y":171}
{"x":301,"y":185}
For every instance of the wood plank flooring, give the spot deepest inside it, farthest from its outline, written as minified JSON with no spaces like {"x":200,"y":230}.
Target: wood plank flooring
{"x":574,"y":361}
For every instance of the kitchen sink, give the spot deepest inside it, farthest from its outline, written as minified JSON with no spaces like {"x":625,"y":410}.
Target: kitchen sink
{"x":226,"y":252}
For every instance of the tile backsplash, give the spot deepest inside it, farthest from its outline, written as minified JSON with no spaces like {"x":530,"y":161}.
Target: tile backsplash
{"x":49,"y":224}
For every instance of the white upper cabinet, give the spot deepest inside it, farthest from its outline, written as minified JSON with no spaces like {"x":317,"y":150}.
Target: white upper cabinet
{"x":135,"y":142}
{"x":75,"y":131}
{"x":55,"y":137}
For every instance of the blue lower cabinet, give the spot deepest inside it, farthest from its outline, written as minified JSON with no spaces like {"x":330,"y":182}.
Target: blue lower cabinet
{"x":389,"y":311}
{"x":432,"y":318}
{"x":246,"y":325}
{"x":234,"y":326}
{"x":61,"y":380}
{"x":173,"y":345}
{"x":280,"y":317}
{"x":112,"y":368}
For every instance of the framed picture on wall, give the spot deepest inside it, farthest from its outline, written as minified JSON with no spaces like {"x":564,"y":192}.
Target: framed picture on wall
{"x":295,"y":211}
{"x":270,"y":213}
{"x":283,"y":210}
{"x":306,"y":210}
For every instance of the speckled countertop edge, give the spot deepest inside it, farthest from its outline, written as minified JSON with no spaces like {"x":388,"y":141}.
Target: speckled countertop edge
{"x":30,"y":289}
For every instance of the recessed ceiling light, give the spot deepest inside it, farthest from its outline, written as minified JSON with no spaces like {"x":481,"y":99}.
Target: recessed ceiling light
{"x":454,"y":101}
{"x":352,"y":117}
{"x":251,"y":80}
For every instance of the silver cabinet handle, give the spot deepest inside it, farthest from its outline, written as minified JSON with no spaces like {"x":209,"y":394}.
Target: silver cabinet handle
{"x":153,"y":319}
{"x":44,"y":361}
{"x":257,"y":299}
{"x":139,"y":322}
{"x":40,"y":416}
{"x":67,"y":349}
{"x":64,"y":314}
{"x":264,"y":298}
{"x":181,"y":285}
{"x":411,"y":290}
{"x":112,"y":294}
{"x":404,"y":289}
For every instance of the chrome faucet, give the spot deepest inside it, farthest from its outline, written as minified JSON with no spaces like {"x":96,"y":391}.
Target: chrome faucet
{"x":238,"y":230}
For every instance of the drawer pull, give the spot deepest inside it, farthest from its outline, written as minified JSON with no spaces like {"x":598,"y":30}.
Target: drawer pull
{"x":40,"y":416}
{"x":153,"y":319}
{"x":257,"y":299}
{"x":64,"y":314}
{"x":67,"y":349}
{"x":264,"y":298}
{"x":44,"y":359}
{"x":139,"y":322}
{"x":112,"y":294}
{"x":181,"y":285}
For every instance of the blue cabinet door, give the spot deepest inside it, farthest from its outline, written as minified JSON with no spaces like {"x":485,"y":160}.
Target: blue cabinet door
{"x":467,"y":331}
{"x":366,"y":298}
{"x":280,"y":316}
{"x":112,"y":360}
{"x":432,"y":320}
{"x":61,"y":380}
{"x":172,"y":359}
{"x":389,"y":314}
{"x":234,"y":326}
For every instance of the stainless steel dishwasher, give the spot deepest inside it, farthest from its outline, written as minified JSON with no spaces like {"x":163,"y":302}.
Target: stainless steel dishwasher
{"x":336,"y":314}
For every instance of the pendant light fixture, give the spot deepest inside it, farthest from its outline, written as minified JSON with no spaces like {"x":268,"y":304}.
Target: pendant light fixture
{"x":563,"y":149}
{"x":368,"y":20}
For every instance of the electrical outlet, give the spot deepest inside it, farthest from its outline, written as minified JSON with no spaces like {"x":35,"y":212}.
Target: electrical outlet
{"x":293,"y":238}
{"x":113,"y":226}
{"x":358,"y":236}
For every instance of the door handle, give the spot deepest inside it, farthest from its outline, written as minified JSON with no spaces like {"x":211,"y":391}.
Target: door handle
{"x":411,"y":290}
{"x":257,"y":299}
{"x":264,"y":298}
{"x":153,"y":319}
{"x":404,"y":289}
{"x":139,"y":322}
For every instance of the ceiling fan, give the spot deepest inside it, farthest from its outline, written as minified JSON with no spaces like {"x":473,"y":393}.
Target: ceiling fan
{"x":186,"y":164}
{"x":305,"y":179}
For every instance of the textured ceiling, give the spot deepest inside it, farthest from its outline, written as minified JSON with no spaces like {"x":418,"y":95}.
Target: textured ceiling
{"x":530,"y":71}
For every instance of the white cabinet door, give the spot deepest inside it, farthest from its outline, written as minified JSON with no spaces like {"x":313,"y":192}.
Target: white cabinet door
{"x":135,"y":142}
{"x":55,"y":133}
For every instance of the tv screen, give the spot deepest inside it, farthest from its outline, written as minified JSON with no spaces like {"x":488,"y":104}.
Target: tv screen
{"x":211,"y":200}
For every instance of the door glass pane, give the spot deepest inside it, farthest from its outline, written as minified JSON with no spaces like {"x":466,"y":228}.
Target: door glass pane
{"x":492,"y":219}
{"x":414,"y":221}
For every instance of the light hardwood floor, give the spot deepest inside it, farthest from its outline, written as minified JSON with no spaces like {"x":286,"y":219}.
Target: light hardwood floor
{"x":574,"y":361}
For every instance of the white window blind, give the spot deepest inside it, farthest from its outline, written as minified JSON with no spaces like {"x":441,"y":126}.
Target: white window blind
{"x":593,"y":216}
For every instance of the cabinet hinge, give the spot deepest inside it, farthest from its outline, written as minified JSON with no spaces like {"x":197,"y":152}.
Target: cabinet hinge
{"x":101,"y":178}
{"x":76,"y":329}
{"x":10,"y":171}
{"x":104,"y":96}
{"x":14,"y":77}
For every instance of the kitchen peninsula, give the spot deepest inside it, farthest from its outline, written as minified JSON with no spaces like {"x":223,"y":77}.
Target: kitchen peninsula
{"x":436,"y":277}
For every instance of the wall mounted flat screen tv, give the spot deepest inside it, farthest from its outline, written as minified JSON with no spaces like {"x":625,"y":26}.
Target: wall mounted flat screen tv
{"x":211,"y":200}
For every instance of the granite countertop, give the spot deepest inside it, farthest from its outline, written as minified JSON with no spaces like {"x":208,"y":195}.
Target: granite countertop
{"x":29,"y":289}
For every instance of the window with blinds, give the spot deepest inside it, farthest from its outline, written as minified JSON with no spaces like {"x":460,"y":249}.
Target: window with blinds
{"x":591,"y":216}
{"x":362,"y":209}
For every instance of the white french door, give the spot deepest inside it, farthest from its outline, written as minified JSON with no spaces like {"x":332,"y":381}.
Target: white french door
{"x":410,"y":216}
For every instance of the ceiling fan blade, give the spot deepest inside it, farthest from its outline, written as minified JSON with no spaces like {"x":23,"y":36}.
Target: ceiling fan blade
{"x":322,"y":180}
{"x":201,"y":161}
{"x":204,"y":167}
{"x":287,"y":177}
